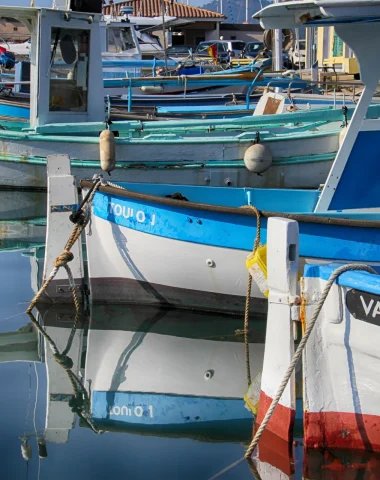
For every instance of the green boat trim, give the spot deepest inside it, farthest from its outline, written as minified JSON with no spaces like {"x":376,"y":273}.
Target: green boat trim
{"x":149,"y":165}
{"x":328,"y":114}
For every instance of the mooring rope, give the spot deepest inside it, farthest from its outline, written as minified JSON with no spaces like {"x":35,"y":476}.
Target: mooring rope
{"x":80,"y":403}
{"x":300,"y":348}
{"x":289,"y":372}
{"x":248,"y":297}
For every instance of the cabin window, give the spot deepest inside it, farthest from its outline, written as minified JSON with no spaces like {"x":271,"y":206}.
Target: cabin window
{"x":69,"y":59}
{"x":119,"y":39}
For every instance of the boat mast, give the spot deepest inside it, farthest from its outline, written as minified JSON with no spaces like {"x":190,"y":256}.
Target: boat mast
{"x":164,"y":36}
{"x":277,"y":47}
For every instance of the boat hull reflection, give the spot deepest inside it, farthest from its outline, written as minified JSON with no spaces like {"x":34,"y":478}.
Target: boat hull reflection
{"x":170,"y":372}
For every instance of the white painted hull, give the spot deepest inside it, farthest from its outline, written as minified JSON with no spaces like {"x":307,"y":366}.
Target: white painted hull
{"x":31,"y":172}
{"x":147,"y":269}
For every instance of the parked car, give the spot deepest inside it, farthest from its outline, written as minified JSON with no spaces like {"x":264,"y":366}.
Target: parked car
{"x":264,"y":57}
{"x":252,"y":49}
{"x":178,"y":51}
{"x":297,"y":54}
{"x":235,"y":47}
{"x":223,"y":55}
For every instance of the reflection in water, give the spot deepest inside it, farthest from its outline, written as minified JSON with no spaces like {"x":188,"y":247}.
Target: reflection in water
{"x":153,"y":373}
{"x":166,"y":386}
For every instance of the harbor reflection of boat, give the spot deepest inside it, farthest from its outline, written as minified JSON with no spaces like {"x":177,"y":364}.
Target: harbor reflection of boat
{"x":161,"y":371}
{"x":155,"y":371}
{"x":142,"y":355}
{"x":22,"y":234}
{"x":22,"y":220}
{"x":22,"y":205}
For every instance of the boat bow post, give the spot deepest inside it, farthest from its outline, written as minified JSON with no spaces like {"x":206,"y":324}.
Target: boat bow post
{"x":62,"y":199}
{"x":283,"y":301}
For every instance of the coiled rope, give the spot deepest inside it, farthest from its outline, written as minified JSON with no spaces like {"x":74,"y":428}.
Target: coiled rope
{"x":80,"y":403}
{"x":301,"y":346}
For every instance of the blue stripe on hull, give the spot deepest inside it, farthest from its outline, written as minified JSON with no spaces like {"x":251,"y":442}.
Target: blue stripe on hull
{"x":14,"y":111}
{"x":235,"y":231}
{"x":164,"y":409}
{"x":355,"y":279}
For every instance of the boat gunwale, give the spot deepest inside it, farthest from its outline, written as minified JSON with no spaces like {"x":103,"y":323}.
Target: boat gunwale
{"x":245,"y":210}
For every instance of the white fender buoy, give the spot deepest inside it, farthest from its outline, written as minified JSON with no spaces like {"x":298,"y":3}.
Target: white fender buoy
{"x":258,"y":158}
{"x":152,"y":89}
{"x":107,"y":151}
{"x":26,"y":450}
{"x":342,"y":134}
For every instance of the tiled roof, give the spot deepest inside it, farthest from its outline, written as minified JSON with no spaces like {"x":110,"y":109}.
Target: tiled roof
{"x":152,"y":8}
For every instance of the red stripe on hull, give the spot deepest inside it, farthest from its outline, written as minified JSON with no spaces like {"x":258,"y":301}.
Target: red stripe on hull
{"x":276,"y":452}
{"x":342,"y":430}
{"x":341,"y":465}
{"x":282,"y":421}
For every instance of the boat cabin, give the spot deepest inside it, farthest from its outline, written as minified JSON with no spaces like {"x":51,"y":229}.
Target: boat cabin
{"x":66,"y":78}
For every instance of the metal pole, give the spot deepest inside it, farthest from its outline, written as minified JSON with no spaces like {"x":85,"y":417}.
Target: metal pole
{"x":246,"y":11}
{"x":164,"y":34}
{"x":298,"y":48}
{"x":277,"y":47}
{"x":221,"y":7}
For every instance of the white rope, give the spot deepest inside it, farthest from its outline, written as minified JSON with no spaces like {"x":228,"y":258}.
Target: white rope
{"x":110,"y":184}
{"x":301,"y":346}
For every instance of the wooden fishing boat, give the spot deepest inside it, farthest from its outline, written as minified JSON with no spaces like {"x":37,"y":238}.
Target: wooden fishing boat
{"x":191,"y":251}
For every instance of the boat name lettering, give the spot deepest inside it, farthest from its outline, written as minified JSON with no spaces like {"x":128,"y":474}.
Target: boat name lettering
{"x":133,"y":411}
{"x":129,"y":213}
{"x":364,"y":306}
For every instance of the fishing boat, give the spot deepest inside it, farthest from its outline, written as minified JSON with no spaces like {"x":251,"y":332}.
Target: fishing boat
{"x":67,"y":115}
{"x":186,"y":245}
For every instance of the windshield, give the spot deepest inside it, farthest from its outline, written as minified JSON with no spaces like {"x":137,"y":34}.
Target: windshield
{"x":119,"y":39}
{"x":254,"y":47}
{"x":238,"y":45}
{"x":174,"y":49}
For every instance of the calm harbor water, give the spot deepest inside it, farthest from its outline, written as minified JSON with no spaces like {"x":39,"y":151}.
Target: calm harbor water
{"x":166,"y":386}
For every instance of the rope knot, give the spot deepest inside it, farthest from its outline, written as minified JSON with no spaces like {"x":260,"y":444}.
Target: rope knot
{"x":65,"y":257}
{"x":63,"y":360}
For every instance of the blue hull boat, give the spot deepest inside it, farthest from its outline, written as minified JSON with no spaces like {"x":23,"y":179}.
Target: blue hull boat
{"x":187,"y":246}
